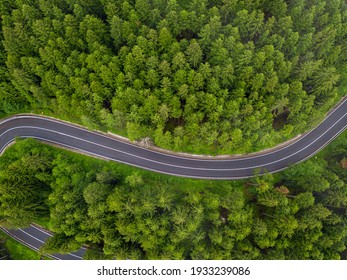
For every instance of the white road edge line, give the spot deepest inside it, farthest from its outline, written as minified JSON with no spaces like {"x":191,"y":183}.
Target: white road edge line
{"x":168,"y":173}
{"x":44,"y":242}
{"x":167,"y":164}
{"x":102,"y":134}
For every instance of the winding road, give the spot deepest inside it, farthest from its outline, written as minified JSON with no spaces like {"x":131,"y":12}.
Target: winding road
{"x":111,"y":148}
{"x":105,"y":146}
{"x":34,"y":237}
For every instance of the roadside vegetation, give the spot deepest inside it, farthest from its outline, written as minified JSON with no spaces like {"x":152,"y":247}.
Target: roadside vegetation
{"x":212,"y":77}
{"x":12,"y":250}
{"x":123,"y":212}
{"x":198,"y":76}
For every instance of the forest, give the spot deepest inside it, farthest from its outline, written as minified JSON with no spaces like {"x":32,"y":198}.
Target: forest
{"x":210,"y":77}
{"x":121,"y":212}
{"x":219,"y":76}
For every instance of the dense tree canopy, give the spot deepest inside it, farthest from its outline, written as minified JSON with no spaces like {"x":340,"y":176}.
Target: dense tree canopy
{"x":221,"y":76}
{"x":203,"y":76}
{"x":122,"y":212}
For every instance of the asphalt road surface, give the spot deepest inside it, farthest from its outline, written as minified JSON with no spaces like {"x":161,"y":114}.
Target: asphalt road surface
{"x":34,"y":237}
{"x":107,"y":147}
{"x":104,"y":146}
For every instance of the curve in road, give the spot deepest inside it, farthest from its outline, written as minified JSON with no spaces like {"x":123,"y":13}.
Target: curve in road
{"x":98,"y":144}
{"x":34,"y":237}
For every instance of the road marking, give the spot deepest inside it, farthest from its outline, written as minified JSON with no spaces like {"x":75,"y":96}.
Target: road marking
{"x":159,"y":162}
{"x":48,"y":233}
{"x":31,"y":246}
{"x":202,"y":177}
{"x":316,"y":151}
{"x":31,"y":236}
{"x":101,"y":134}
{"x":37,"y":228}
{"x":44,"y":242}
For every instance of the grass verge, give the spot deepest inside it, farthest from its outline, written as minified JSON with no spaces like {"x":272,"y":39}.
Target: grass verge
{"x":18,"y":251}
